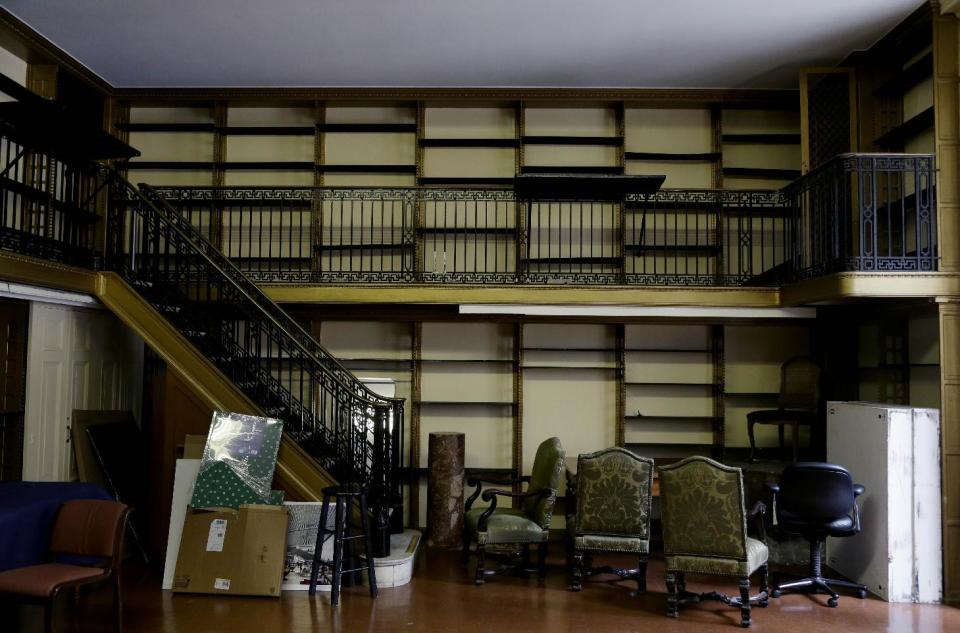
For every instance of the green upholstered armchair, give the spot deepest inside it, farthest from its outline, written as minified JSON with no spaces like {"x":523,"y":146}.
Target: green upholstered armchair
{"x":526,"y":524}
{"x":705,"y":532}
{"x":612,"y":513}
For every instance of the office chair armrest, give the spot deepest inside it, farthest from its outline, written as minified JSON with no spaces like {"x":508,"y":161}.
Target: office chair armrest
{"x":478,"y":481}
{"x":858,"y":489}
{"x":491,"y":497}
{"x":758,"y":512}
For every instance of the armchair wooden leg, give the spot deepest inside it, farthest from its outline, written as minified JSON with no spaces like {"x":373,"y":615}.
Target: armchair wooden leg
{"x":577,"y":580}
{"x":744,"y":602}
{"x":479,"y":577}
{"x":642,"y":575}
{"x":764,"y":585}
{"x":672,"y":597}
{"x":542,"y":560}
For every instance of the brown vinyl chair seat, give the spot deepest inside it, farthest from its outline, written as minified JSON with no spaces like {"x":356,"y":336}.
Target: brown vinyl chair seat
{"x":89,"y":528}
{"x":40,"y":581}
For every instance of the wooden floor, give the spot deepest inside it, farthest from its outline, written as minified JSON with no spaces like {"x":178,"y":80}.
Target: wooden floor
{"x":443,"y":598}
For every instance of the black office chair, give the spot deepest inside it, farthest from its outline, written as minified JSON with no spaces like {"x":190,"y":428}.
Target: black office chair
{"x":817,"y":500}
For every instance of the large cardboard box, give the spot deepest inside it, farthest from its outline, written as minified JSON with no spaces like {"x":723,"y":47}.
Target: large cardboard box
{"x":235,"y":552}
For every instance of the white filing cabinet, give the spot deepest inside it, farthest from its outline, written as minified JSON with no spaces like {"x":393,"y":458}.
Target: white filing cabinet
{"x":895,"y":453}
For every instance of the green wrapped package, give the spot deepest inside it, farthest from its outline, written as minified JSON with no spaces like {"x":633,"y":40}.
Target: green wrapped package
{"x":238,"y":462}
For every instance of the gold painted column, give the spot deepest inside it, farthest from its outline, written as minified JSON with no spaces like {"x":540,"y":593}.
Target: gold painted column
{"x":950,"y":438}
{"x":946,"y":83}
{"x":946,"y":99}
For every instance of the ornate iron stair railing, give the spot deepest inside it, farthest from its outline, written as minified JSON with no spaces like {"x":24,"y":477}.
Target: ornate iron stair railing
{"x":352,"y":432}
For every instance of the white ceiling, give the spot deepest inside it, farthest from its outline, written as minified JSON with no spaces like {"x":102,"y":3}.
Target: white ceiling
{"x":457,"y":43}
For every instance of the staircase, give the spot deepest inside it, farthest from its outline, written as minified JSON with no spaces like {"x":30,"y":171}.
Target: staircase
{"x":206,"y":307}
{"x":352,"y":433}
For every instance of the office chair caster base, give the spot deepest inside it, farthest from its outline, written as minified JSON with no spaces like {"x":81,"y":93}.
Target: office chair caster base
{"x":775,"y":593}
{"x":833,"y":602}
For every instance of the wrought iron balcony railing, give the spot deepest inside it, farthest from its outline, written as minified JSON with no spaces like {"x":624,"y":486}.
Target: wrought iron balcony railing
{"x":866,"y":212}
{"x":484,"y":236}
{"x":858,"y":212}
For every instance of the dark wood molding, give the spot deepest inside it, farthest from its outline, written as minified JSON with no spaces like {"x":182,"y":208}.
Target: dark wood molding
{"x":909,"y":77}
{"x":23,"y":41}
{"x":704,"y":157}
{"x":633,"y":97}
{"x":762,"y":139}
{"x":469,"y":142}
{"x":762,"y":172}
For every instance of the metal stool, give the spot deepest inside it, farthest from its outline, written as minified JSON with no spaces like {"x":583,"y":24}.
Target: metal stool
{"x":343,"y":497}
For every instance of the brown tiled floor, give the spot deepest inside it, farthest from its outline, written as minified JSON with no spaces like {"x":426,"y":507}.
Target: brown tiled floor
{"x":442,"y":598}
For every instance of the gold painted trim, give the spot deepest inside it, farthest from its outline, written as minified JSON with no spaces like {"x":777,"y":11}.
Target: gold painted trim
{"x":538,"y":295}
{"x":839,"y":286}
{"x":296,"y":472}
{"x":47,"y":274}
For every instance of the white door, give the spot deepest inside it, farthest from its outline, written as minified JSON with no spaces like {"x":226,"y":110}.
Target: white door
{"x":78,"y":359}
{"x":46,"y":425}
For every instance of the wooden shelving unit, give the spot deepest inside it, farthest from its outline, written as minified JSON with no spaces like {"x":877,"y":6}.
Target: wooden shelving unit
{"x":897,"y":136}
{"x":696,"y":374}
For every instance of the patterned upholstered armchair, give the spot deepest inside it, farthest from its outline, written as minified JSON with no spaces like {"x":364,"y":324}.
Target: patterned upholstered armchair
{"x":705,"y":532}
{"x":527,"y":524}
{"x":612,"y":513}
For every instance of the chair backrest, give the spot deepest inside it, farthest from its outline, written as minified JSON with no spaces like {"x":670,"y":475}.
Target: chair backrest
{"x":702,"y":509}
{"x":546,"y":473}
{"x":89,"y":527}
{"x":613,"y":493}
{"x":816,"y":492}
{"x":799,"y":384}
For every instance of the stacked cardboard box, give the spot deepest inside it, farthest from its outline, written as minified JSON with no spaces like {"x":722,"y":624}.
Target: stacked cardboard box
{"x":234,"y":533}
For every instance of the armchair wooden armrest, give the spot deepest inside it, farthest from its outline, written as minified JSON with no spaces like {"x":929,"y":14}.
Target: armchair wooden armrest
{"x":491,"y":497}
{"x":758,"y":512}
{"x":478,"y":481}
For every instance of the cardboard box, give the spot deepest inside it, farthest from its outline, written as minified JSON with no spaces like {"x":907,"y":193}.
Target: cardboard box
{"x":233,"y":552}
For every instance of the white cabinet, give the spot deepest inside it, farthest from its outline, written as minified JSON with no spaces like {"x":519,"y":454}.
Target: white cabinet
{"x":895,"y":453}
